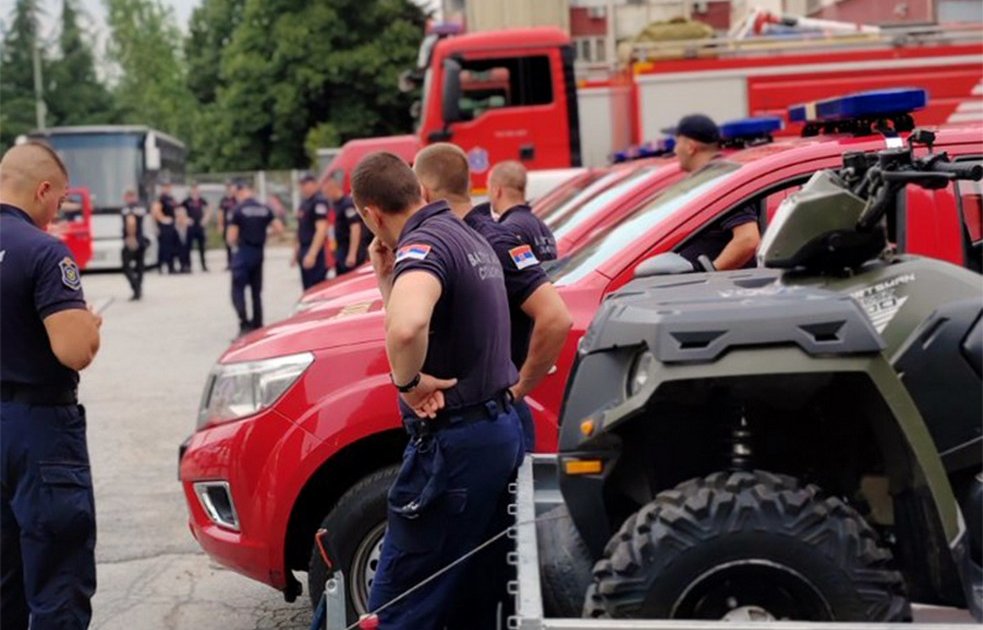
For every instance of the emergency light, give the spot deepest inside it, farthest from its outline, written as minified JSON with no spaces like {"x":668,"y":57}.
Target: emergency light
{"x":872,"y":104}
{"x":754,"y":127}
{"x":662,"y":147}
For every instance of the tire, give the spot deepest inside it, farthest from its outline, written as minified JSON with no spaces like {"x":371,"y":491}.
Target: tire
{"x":565,"y":564}
{"x":355,"y":527}
{"x":746,"y":545}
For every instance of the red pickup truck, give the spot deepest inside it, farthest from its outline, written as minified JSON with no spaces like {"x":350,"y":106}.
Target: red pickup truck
{"x":299,"y":429}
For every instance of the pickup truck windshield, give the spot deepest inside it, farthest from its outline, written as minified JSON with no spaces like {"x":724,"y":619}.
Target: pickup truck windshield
{"x":637,"y":224}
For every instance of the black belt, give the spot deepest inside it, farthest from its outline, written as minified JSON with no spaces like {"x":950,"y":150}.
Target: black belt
{"x":460,"y":416}
{"x":38,"y":395}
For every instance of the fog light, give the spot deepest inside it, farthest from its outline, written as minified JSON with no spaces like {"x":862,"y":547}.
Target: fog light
{"x":640,"y":372}
{"x":216,"y":500}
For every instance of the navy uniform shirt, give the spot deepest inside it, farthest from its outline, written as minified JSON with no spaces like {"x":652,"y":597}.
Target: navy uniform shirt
{"x":345,"y":216}
{"x":196,"y":209}
{"x":135,"y":210}
{"x":38,"y":278}
{"x":523,"y":274}
{"x":531,"y":230}
{"x":253,"y":218}
{"x":714,"y":238}
{"x":469,"y":332}
{"x":226,"y":206}
{"x":312,"y":210}
{"x":168,"y":205}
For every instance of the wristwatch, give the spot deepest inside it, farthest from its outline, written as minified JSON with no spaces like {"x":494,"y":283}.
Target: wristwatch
{"x":409,"y":386}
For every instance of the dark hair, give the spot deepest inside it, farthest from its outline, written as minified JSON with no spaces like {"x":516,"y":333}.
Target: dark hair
{"x":385,"y":181}
{"x":444,"y":167}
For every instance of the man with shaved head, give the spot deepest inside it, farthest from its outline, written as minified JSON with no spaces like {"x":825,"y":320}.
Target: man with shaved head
{"x":507,"y":194}
{"x":47,"y":515}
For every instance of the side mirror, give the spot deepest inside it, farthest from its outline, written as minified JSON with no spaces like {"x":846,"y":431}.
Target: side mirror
{"x":663,"y":265}
{"x":151,"y":154}
{"x":451,"y":97}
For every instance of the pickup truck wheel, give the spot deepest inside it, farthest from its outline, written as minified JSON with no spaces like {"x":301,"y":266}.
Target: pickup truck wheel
{"x":565,"y":563}
{"x":356,"y":527}
{"x":747,"y":546}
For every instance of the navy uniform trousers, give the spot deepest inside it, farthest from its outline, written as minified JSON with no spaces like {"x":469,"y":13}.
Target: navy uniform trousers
{"x":47,"y":518}
{"x":247,"y":271}
{"x":443,"y":504}
{"x":317,"y":273}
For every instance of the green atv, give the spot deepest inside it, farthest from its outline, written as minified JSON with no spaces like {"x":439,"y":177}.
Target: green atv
{"x":799,"y":441}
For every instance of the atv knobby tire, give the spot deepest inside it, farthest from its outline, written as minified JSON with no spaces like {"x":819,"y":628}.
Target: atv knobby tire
{"x":565,"y":564}
{"x":779,"y":539}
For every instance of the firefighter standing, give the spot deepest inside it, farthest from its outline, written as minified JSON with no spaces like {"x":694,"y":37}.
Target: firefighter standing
{"x":198,"y":216}
{"x":134,"y":242}
{"x":312,"y":231}
{"x":247,"y":238}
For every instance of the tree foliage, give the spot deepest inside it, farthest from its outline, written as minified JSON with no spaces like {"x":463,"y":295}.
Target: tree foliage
{"x":17,"y":112}
{"x":152,"y":90}
{"x":74,"y":94}
{"x":296,"y":72}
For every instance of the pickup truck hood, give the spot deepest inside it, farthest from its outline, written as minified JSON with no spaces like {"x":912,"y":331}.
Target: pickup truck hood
{"x":354,"y":318}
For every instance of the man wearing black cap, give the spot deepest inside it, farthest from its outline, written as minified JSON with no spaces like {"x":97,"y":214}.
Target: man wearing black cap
{"x":312,"y":229}
{"x":731,"y":241}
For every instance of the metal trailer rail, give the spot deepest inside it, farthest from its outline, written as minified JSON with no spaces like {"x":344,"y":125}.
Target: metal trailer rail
{"x":536,"y":492}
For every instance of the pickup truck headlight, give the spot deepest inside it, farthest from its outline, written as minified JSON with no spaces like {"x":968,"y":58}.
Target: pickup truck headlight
{"x":237,"y":390}
{"x":640,"y":372}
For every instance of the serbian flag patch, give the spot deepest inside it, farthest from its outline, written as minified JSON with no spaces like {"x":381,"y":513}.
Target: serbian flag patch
{"x":523,"y":257}
{"x":416,"y":251}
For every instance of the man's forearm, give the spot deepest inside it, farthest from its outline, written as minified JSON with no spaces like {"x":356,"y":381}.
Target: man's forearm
{"x":545,"y":345}
{"x":406,"y":346}
{"x":355,"y":238}
{"x":320,"y":233}
{"x":736,"y":254}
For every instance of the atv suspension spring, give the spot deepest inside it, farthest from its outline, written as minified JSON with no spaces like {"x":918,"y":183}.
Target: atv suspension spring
{"x":740,"y":445}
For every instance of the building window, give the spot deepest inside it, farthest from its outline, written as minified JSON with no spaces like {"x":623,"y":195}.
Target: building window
{"x":590,"y":49}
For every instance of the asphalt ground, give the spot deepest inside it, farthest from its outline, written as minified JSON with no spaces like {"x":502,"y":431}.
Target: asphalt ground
{"x":142,"y":396}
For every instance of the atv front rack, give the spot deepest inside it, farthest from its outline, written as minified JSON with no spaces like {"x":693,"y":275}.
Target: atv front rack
{"x":537,"y":491}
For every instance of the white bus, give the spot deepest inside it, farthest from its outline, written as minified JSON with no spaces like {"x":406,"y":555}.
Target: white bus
{"x":108,"y":160}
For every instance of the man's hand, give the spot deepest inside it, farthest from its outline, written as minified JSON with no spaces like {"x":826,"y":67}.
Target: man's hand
{"x":131,"y":243}
{"x":309,"y":259}
{"x":351,"y":259}
{"x":427,"y":398}
{"x":383,"y":259}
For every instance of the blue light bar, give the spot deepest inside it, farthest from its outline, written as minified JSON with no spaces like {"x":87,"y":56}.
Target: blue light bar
{"x":753,"y":127}
{"x":662,"y":147}
{"x":873,"y":104}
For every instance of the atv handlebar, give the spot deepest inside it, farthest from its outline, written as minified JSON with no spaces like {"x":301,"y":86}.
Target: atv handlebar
{"x":959,"y":170}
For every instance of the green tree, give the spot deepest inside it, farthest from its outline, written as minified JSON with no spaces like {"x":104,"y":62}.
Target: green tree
{"x":209,"y":32}
{"x":152,"y":90}
{"x":297,"y":72}
{"x":75,"y":96}
{"x":17,"y":111}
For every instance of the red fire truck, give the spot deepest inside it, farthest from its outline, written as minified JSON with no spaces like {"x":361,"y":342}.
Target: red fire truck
{"x":517,"y":95}
{"x":73,"y":225}
{"x":299,"y":429}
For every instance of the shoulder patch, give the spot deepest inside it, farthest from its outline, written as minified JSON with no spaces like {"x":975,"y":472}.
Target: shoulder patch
{"x":416,"y":251}
{"x":350,"y":212}
{"x":321,"y":209}
{"x":70,"y":274}
{"x":523,"y":257}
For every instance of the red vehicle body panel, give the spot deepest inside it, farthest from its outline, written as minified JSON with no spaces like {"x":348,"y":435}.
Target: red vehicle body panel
{"x":73,"y":225}
{"x":353,"y":151}
{"x":345,"y":398}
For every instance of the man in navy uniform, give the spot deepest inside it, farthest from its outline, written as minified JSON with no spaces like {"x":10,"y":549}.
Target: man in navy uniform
{"x":447,"y":338}
{"x":198,"y":216}
{"x":507,"y":195}
{"x":134,"y":242}
{"x":247,"y":238}
{"x":731,"y":241}
{"x":47,"y":512}
{"x":538,"y":317}
{"x":225,"y":207}
{"x":350,"y":234}
{"x":168,"y":241}
{"x":312,"y":231}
